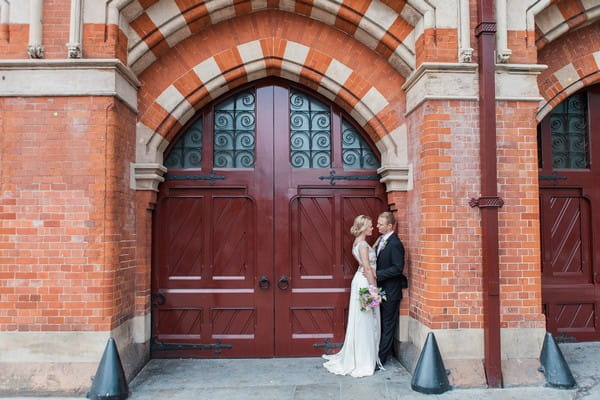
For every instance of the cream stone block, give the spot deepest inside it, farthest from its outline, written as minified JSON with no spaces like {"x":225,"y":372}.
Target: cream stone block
{"x":251,"y":51}
{"x":567,"y":75}
{"x":140,"y":64}
{"x":94,"y":12}
{"x":446,"y":15}
{"x":178,"y":36}
{"x":85,"y":77}
{"x":452,"y":343}
{"x":338,"y":72}
{"x":441,"y":81}
{"x":518,"y":82}
{"x":258,"y":5}
{"x":549,"y":19}
{"x":293,"y":60}
{"x":592,"y":8}
{"x":170,"y":98}
{"x":403,"y":60}
{"x":521,"y":342}
{"x":164,"y":12}
{"x":208,"y":70}
{"x":516,"y":19}
{"x":326,"y":11}
{"x":295,"y":52}
{"x":377,"y":19}
{"x":220,"y":10}
{"x":131,"y":11}
{"x":374,"y":101}
{"x":287,"y":5}
{"x":150,"y":146}
{"x":19,"y":12}
{"x":366,"y":37}
{"x":393,"y":147}
{"x":255,"y":70}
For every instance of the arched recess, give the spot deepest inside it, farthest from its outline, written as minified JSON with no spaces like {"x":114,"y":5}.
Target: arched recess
{"x":246,"y":245}
{"x":568,"y":154}
{"x":390,"y":28}
{"x":186,"y":79}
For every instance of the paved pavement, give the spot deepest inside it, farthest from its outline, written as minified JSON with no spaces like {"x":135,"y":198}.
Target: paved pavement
{"x":305,"y":378}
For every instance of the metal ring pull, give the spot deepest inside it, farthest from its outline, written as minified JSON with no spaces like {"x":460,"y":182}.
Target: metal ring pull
{"x":283,"y":283}
{"x":264,"y":282}
{"x":159,"y":297}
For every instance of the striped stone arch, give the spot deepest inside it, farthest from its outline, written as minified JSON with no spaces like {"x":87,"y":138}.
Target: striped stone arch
{"x":553,"y":18}
{"x":388,"y":27}
{"x":565,"y":81}
{"x":213,"y":76}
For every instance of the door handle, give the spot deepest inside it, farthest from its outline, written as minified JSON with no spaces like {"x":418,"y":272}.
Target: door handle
{"x":264,"y":282}
{"x":283,"y":283}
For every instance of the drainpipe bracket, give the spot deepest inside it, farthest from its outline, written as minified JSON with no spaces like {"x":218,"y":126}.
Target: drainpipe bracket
{"x":486,"y":202}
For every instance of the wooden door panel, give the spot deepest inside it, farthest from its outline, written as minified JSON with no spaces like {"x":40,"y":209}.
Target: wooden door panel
{"x":312,"y":314}
{"x":234,"y":232}
{"x":566,"y":234}
{"x":313,"y":237}
{"x":208,"y":278}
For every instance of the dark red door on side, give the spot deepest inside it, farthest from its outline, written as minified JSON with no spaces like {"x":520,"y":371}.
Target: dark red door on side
{"x":570,"y":217}
{"x":256,"y":261}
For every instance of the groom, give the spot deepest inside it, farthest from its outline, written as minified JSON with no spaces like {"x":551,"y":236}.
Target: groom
{"x":390,"y":264}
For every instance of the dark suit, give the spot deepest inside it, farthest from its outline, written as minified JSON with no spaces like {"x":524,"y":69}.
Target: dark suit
{"x":390,"y":264}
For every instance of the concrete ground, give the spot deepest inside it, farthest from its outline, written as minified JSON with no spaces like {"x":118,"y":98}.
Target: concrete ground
{"x":305,"y":378}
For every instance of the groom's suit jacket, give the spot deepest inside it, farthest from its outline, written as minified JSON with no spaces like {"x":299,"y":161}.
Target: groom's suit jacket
{"x":390,"y":264}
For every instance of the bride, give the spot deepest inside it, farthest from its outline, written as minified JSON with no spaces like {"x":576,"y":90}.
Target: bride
{"x":358,"y":355}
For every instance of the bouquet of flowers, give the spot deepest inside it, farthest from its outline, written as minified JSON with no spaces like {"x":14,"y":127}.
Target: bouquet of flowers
{"x":370,"y":297}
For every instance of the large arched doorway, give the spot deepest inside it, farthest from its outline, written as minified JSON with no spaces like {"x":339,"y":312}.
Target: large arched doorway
{"x":569,"y":157}
{"x":252,"y":254}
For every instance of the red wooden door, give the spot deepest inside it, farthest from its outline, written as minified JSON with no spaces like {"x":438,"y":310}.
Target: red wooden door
{"x":253,"y":260}
{"x":570,"y":220}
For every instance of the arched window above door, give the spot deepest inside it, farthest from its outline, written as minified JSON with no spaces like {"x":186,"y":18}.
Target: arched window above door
{"x":563,"y":136}
{"x":225,"y":135}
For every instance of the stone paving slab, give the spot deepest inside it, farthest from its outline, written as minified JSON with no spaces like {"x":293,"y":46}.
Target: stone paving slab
{"x":306,"y":379}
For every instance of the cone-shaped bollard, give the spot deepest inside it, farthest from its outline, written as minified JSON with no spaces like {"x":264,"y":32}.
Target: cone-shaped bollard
{"x":109,"y":381}
{"x":554,"y":366}
{"x":430,"y":376}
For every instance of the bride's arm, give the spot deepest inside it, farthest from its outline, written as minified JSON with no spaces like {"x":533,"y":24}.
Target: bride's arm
{"x":368,"y":272}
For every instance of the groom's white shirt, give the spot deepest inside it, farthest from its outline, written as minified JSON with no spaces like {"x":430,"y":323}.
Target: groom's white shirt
{"x":382,"y":240}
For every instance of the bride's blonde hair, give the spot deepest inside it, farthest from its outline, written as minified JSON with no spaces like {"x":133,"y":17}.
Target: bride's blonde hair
{"x":361,"y":223}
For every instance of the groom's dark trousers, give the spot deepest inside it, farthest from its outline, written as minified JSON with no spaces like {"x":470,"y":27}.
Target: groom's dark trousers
{"x":390,"y":264}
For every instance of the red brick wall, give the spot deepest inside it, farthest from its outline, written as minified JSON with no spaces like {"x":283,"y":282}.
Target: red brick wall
{"x":67,"y":242}
{"x":519,"y":219}
{"x":444,"y":242}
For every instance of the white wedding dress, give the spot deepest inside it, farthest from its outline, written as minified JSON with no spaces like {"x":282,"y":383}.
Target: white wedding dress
{"x":359,"y":354}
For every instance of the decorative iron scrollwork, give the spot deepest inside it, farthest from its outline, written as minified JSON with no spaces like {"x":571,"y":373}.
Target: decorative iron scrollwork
{"x":333,"y":177}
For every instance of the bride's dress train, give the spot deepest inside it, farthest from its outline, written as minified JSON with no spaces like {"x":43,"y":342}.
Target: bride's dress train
{"x":358,"y":355}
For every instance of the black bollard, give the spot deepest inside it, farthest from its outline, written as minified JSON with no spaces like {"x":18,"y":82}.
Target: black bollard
{"x":554,"y":366}
{"x":109,"y":381}
{"x":430,"y":375}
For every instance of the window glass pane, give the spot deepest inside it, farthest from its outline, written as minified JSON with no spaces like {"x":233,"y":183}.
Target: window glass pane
{"x":569,"y":126}
{"x":310,"y":132}
{"x":187,"y":151}
{"x":356,"y":153}
{"x":234,"y":127}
